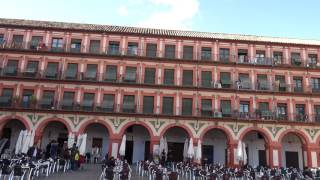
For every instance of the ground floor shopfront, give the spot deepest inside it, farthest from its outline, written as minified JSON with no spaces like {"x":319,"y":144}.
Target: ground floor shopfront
{"x":267,"y":143}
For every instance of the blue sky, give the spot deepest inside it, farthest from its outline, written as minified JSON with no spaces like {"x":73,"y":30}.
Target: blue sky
{"x":285,"y":18}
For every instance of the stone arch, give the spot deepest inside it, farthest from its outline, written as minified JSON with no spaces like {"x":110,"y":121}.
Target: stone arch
{"x":24,"y":121}
{"x":87,"y":123}
{"x":303,"y":158}
{"x":184,"y":127}
{"x":302,"y":136}
{"x":221,"y":128}
{"x":143,"y":124}
{"x":41,"y":126}
{"x":262,"y":131}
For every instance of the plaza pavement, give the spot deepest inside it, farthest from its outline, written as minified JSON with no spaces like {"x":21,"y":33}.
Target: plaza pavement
{"x":89,"y":172}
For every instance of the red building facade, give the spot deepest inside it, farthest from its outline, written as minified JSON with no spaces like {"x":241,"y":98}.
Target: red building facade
{"x":217,"y":88}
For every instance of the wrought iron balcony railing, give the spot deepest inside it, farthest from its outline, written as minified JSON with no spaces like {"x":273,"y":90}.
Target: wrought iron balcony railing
{"x":177,"y":55}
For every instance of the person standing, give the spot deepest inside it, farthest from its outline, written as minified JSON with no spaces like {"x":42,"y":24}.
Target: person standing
{"x":53,"y":149}
{"x":72,"y":157}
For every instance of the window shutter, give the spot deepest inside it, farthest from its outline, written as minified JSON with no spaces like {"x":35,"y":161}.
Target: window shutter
{"x":187,"y":106}
{"x":167,"y":106}
{"x":168,"y":76}
{"x":148,"y":104}
{"x":149,"y":75}
{"x":188,"y":77}
{"x":206,"y":78}
{"x":131,"y":74}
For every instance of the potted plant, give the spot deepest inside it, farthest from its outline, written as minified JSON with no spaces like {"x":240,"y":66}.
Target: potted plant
{"x":33,"y":100}
{"x":15,"y":99}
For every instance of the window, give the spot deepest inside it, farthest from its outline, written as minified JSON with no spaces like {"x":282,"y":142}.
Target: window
{"x":47,"y":100}
{"x":187,"y":78}
{"x":315,"y":84}
{"x":280,"y":83}
{"x":206,"y":53}
{"x":264,"y":106}
{"x":296,"y":59}
{"x":148,"y":104}
{"x":35,"y":42}
{"x":108,"y":103}
{"x":264,"y":110}
{"x":132,"y":49}
{"x":151,"y":50}
{"x":244,"y":82}
{"x":206,"y":107}
{"x":27,"y":96}
{"x":12,"y":68}
{"x":67,"y":101}
{"x":225,"y":106}
{"x":111,"y":73}
{"x":167,"y":105}
{"x":2,"y":41}
{"x":57,"y":44}
{"x":149,"y":75}
{"x":6,"y":97}
{"x":243,"y":56}
{"x":297,"y":84}
{"x":17,"y":41}
{"x":187,"y":52}
{"x":244,"y":109}
{"x":91,"y":73}
{"x":75,"y":45}
{"x":260,"y":57}
{"x":206,"y":78}
{"x":94,"y":46}
{"x":131,"y":73}
{"x":300,"y":112}
{"x":277,"y":57}
{"x":114,"y":48}
{"x":170,"y":51}
{"x":225,"y":79}
{"x":224,"y":54}
{"x":88,"y":101}
{"x":262,"y":82}
{"x":317,"y":113}
{"x":168,"y":77}
{"x":312,"y":60}
{"x":52,"y":70}
{"x":128,"y":105}
{"x":72,"y":71}
{"x":186,"y":107}
{"x":282,"y":111}
{"x":31,"y":69}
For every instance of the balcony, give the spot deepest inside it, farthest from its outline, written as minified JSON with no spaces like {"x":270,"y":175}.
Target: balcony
{"x":93,"y":77}
{"x":115,"y":50}
{"x":89,"y":106}
{"x":46,"y":103}
{"x":5,"y":101}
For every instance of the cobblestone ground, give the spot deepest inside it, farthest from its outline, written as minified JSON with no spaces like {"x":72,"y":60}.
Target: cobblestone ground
{"x":90,"y":172}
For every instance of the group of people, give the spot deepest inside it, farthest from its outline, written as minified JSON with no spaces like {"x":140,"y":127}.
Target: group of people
{"x":113,"y":167}
{"x":55,"y":150}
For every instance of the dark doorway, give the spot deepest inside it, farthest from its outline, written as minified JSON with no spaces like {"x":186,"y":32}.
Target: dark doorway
{"x":207,"y":153}
{"x":6,"y":133}
{"x":292,"y":159}
{"x":226,"y":156}
{"x":129,"y":151}
{"x":147,"y":150}
{"x":96,"y":142}
{"x":262,"y":158}
{"x":175,"y":151}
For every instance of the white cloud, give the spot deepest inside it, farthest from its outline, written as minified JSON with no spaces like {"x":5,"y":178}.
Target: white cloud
{"x":171,"y":14}
{"x":122,"y":11}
